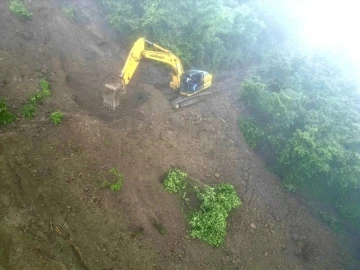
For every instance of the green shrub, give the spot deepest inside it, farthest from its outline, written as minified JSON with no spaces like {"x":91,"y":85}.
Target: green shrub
{"x":174,"y":181}
{"x":37,"y":98}
{"x":117,"y":184}
{"x":210,"y":221}
{"x":29,"y":111}
{"x":6,"y":117}
{"x":252,"y":133}
{"x":45,"y":88}
{"x":56,"y":117}
{"x":18,"y":7}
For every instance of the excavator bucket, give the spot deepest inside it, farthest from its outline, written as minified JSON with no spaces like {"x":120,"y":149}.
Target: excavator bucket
{"x":112,"y":95}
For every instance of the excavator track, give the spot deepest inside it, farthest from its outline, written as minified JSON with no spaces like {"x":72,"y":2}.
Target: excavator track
{"x":184,"y":101}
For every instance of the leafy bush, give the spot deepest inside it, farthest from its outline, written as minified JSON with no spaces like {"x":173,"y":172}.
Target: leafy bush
{"x":45,"y":88}
{"x":36,"y":99}
{"x":6,"y":117}
{"x":174,"y":181}
{"x":28,"y":111}
{"x":18,"y":7}
{"x":252,"y":133}
{"x":209,"y":222}
{"x":117,"y":184}
{"x":56,"y":117}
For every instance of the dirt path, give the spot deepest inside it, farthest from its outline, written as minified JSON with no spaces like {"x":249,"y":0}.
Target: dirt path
{"x":53,"y":175}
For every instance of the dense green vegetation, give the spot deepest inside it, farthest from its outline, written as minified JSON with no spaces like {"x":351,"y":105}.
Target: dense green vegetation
{"x":307,"y":115}
{"x":208,"y":34}
{"x":18,"y":7}
{"x":208,"y":221}
{"x":6,"y":117}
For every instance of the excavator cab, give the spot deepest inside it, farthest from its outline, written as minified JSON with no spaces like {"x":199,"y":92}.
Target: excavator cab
{"x":194,"y":81}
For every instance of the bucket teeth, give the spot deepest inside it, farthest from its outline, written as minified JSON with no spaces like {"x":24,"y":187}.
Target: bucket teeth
{"x":112,"y":94}
{"x":112,"y":86}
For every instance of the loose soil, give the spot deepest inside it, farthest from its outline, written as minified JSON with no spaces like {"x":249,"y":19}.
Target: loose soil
{"x":53,"y":175}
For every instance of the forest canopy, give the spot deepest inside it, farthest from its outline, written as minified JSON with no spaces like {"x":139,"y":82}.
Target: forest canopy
{"x":211,"y":34}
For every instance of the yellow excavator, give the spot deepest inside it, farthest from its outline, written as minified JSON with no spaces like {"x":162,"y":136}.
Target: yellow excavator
{"x":188,"y":83}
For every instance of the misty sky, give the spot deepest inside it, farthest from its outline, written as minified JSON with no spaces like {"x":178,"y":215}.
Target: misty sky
{"x":324,"y":24}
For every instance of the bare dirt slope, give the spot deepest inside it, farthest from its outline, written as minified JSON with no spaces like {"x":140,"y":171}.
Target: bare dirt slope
{"x":52,"y":175}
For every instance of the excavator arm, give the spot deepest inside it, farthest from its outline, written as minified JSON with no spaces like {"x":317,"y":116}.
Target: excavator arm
{"x":162,"y":55}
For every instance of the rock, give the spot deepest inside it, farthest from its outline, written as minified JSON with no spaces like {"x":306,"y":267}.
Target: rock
{"x":86,"y":189}
{"x":253,"y":226}
{"x":217,"y":175}
{"x":266,"y":254}
{"x":68,"y":207}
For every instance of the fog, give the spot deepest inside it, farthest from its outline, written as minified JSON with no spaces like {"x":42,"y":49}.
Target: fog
{"x":328,"y":27}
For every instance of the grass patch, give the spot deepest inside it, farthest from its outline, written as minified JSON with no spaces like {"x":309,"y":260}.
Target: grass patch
{"x":6,"y":117}
{"x":18,"y":7}
{"x":208,"y":221}
{"x":45,"y":88}
{"x":56,"y":117}
{"x":117,"y":184}
{"x":29,"y":110}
